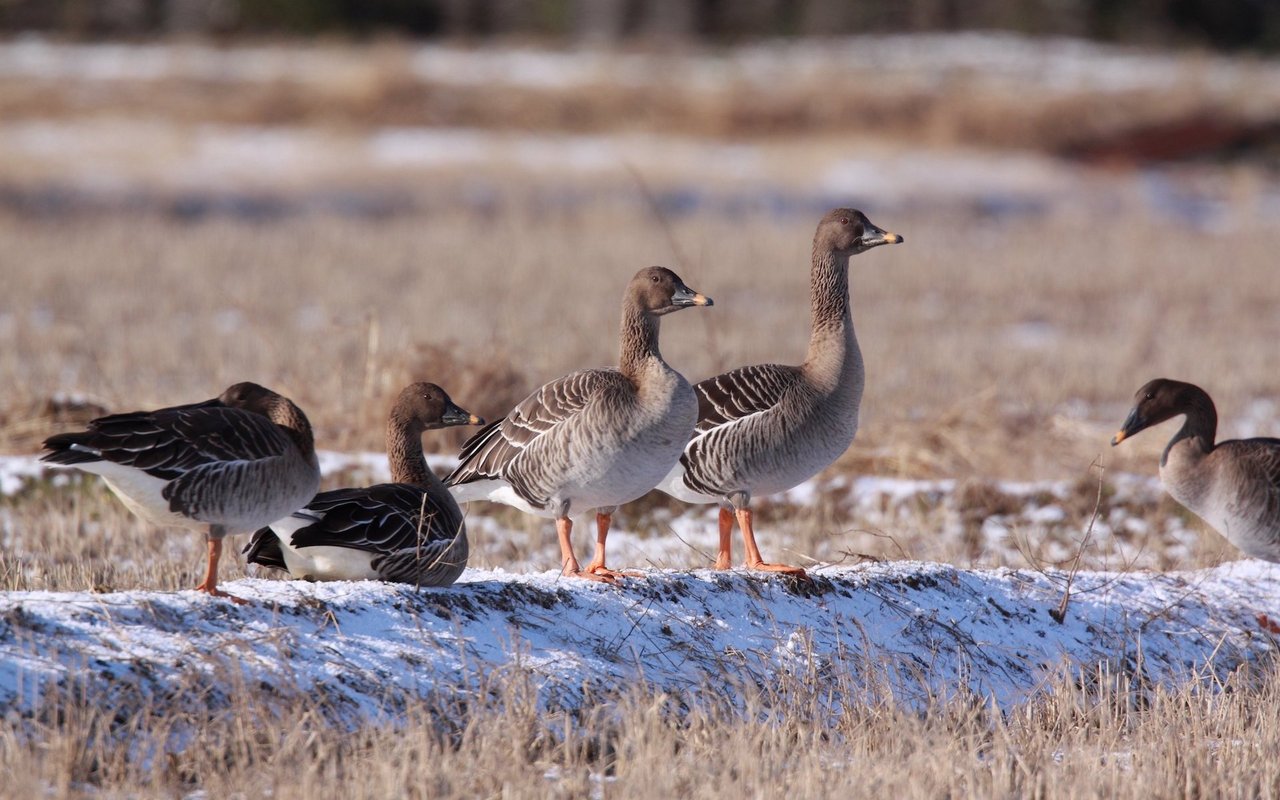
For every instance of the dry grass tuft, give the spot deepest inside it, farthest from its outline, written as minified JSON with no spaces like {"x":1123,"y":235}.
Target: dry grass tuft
{"x":1095,"y":733}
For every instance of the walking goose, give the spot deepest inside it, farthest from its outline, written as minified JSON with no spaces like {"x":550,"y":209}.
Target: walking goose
{"x":593,"y":439}
{"x":766,"y":428}
{"x":232,"y":463}
{"x":406,"y":531}
{"x":1234,"y":485}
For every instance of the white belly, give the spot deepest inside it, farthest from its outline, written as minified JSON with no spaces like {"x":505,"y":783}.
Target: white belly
{"x":322,"y":563}
{"x":141,"y":494}
{"x":496,"y":491}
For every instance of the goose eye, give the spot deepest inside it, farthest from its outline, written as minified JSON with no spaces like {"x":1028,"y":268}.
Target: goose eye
{"x":844,"y":220}
{"x":654,"y":278}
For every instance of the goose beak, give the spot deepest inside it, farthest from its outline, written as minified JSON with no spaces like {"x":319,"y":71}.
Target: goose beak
{"x":457,"y":416}
{"x":684,"y":297}
{"x":874,"y":237}
{"x":1131,"y":425}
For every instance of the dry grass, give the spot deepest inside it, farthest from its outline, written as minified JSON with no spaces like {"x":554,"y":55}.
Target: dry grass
{"x":339,"y":313}
{"x":1089,"y":735}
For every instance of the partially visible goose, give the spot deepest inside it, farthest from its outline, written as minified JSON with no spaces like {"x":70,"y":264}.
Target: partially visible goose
{"x":766,"y":428}
{"x":594,"y":439}
{"x":1234,"y":485}
{"x":232,"y":463}
{"x":406,"y":531}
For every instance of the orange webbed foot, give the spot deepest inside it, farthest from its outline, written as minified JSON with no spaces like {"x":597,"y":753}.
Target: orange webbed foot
{"x":588,"y":575}
{"x":214,"y":591}
{"x":785,"y":569}
{"x":601,"y":569}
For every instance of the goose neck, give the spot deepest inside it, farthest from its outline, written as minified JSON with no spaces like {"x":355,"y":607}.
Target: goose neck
{"x":404,"y":453}
{"x":1198,"y":431}
{"x":639,"y":345}
{"x":831,"y":341}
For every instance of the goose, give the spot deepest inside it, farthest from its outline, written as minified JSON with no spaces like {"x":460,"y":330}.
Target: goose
{"x":406,"y":531}
{"x":1234,"y":486}
{"x":593,"y":439}
{"x":763,"y":429}
{"x":233,"y":463}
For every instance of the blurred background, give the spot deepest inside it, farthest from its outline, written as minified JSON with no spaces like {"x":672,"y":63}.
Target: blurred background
{"x":1230,"y":24}
{"x":335,"y":197}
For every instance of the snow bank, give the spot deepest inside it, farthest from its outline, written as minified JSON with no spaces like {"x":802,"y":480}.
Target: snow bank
{"x":359,"y":650}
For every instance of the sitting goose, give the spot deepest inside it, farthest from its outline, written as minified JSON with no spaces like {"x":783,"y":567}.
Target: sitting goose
{"x":766,"y":428}
{"x":406,"y":531}
{"x":232,"y":463}
{"x":1234,"y":485}
{"x":596,"y":438}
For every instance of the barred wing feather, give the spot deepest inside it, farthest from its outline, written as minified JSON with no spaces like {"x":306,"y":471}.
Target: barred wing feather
{"x":742,"y":392}
{"x":499,"y":450}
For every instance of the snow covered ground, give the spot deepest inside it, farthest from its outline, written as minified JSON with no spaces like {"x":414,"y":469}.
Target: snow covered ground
{"x":914,"y":630}
{"x":917,"y":631}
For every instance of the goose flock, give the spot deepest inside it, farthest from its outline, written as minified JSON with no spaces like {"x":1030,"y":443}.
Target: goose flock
{"x":585,"y":443}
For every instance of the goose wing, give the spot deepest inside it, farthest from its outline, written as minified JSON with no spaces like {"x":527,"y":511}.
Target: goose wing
{"x":526,"y":447}
{"x":171,"y":442}
{"x":377,"y":519}
{"x":740,"y":393}
{"x":1255,"y":470}
{"x":733,"y":423}
{"x":407,"y":529}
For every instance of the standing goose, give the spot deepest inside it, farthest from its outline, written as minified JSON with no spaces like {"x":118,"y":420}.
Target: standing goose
{"x":766,"y":428}
{"x":232,"y":463}
{"x":406,"y":531}
{"x":1234,"y":485}
{"x":596,"y":438}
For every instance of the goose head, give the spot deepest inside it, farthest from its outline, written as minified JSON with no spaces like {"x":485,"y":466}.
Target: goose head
{"x":249,"y":396}
{"x":425,"y":406}
{"x":847,"y":232}
{"x":1157,"y":401}
{"x":658,"y":291}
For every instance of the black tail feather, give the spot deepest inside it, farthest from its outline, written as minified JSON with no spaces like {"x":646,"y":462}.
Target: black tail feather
{"x":61,"y":450}
{"x":264,"y":548}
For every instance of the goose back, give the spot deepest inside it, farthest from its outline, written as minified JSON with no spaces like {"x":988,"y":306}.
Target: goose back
{"x":408,"y":531}
{"x":202,"y":463}
{"x":766,"y":428}
{"x":562,"y":443}
{"x":594,"y":438}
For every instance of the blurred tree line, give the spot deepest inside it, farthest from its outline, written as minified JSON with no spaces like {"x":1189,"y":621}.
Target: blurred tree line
{"x":1222,"y":24}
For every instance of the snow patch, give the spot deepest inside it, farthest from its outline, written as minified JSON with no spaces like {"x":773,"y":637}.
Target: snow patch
{"x":361,"y":649}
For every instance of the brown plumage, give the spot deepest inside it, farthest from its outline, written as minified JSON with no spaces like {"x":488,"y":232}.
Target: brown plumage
{"x":766,"y":428}
{"x":232,"y":464}
{"x":1234,"y":485}
{"x":406,"y":531}
{"x":593,"y":439}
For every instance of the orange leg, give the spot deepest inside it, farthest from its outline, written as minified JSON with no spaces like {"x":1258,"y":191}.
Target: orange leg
{"x":724,"y":560}
{"x":569,"y":566}
{"x":210,"y":584}
{"x":597,"y":567}
{"x":754,"y":561}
